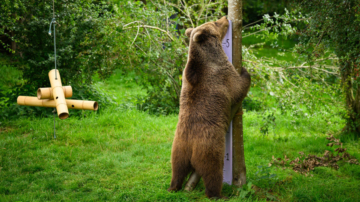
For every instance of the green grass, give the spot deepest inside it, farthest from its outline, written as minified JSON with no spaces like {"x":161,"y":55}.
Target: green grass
{"x":124,"y":155}
{"x":122,"y":86}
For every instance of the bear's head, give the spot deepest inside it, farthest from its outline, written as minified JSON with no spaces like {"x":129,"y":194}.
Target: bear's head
{"x":208,"y":31}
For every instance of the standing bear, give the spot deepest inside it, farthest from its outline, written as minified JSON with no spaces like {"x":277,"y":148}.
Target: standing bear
{"x":211,"y":88}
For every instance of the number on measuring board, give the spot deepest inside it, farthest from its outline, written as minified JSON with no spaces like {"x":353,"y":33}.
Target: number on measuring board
{"x":227,"y":156}
{"x":227,"y":43}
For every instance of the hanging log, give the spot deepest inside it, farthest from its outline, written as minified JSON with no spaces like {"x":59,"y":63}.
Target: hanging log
{"x":71,"y":104}
{"x":58,"y":94}
{"x":46,"y":93}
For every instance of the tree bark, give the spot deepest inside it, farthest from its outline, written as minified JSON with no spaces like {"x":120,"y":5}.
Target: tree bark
{"x":352,"y":98}
{"x":13,"y":43}
{"x":239,"y":168}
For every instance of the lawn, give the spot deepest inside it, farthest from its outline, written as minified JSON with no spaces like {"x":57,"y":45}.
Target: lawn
{"x":123,"y":154}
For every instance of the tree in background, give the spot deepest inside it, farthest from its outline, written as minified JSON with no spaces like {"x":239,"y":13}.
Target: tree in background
{"x":335,"y":24}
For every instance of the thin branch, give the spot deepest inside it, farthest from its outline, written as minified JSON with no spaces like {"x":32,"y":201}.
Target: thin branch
{"x":175,"y":83}
{"x":136,"y":35}
{"x":206,"y":12}
{"x":299,"y":67}
{"x":152,"y":27}
{"x":304,"y":67}
{"x":176,"y":6}
{"x":247,"y":25}
{"x":187,"y":11}
{"x":200,"y":12}
{"x":167,"y":21}
{"x":267,"y":28}
{"x":327,"y":59}
{"x":322,"y":34}
{"x":282,"y":76}
{"x":132,"y":23}
{"x":253,"y":23}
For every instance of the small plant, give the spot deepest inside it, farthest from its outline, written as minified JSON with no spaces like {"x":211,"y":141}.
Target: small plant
{"x":264,"y":177}
{"x":245,"y":191}
{"x":268,"y":120}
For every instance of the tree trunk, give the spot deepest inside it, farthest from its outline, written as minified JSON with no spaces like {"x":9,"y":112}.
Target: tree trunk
{"x":239,"y":168}
{"x":352,"y":98}
{"x":13,"y":43}
{"x":357,"y":110}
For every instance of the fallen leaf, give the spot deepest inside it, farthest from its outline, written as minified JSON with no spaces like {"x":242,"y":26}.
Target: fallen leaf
{"x":340,"y":150}
{"x":326,"y":154}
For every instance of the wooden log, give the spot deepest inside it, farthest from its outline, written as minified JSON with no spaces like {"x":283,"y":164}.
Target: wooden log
{"x":58,"y":94}
{"x":46,"y":93}
{"x":192,"y":182}
{"x":71,"y":104}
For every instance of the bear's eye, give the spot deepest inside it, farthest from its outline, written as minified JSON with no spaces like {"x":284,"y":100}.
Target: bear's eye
{"x":216,"y":23}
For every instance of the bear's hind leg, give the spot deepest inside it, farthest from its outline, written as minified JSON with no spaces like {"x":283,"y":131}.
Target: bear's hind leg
{"x":213,"y":184}
{"x":180,"y":169}
{"x":209,"y":165}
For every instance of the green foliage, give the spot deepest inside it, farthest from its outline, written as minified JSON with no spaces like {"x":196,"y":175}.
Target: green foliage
{"x":335,"y":25}
{"x":254,"y":10}
{"x":252,"y":104}
{"x":10,"y":75}
{"x":83,"y":44}
{"x":295,"y":83}
{"x":151,"y":38}
{"x":268,"y":119}
{"x":84,"y":48}
{"x":264,"y":176}
{"x":153,"y":51}
{"x":246,"y":191}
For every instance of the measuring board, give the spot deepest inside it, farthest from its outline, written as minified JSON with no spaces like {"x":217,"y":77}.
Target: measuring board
{"x":227,"y":174}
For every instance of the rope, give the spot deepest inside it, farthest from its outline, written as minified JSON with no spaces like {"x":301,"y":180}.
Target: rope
{"x":53,"y":21}
{"x":54,"y":112}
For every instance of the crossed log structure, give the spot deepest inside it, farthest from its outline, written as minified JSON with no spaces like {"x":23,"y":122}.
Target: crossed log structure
{"x":55,"y":97}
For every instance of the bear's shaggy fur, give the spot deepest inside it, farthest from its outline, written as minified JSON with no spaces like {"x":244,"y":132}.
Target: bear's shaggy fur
{"x":211,"y":87}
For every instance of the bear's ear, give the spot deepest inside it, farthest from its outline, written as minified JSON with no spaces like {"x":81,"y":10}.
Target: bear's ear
{"x":188,"y":32}
{"x":201,"y":34}
{"x":198,"y":36}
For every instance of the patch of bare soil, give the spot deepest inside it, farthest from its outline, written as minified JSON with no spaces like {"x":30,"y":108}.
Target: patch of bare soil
{"x":5,"y":129}
{"x":303,"y":164}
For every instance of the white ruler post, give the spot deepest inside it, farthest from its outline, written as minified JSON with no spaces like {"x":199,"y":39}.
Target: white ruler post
{"x":227,"y":174}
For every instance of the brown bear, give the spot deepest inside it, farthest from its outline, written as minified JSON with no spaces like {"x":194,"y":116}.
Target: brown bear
{"x":211,"y":88}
